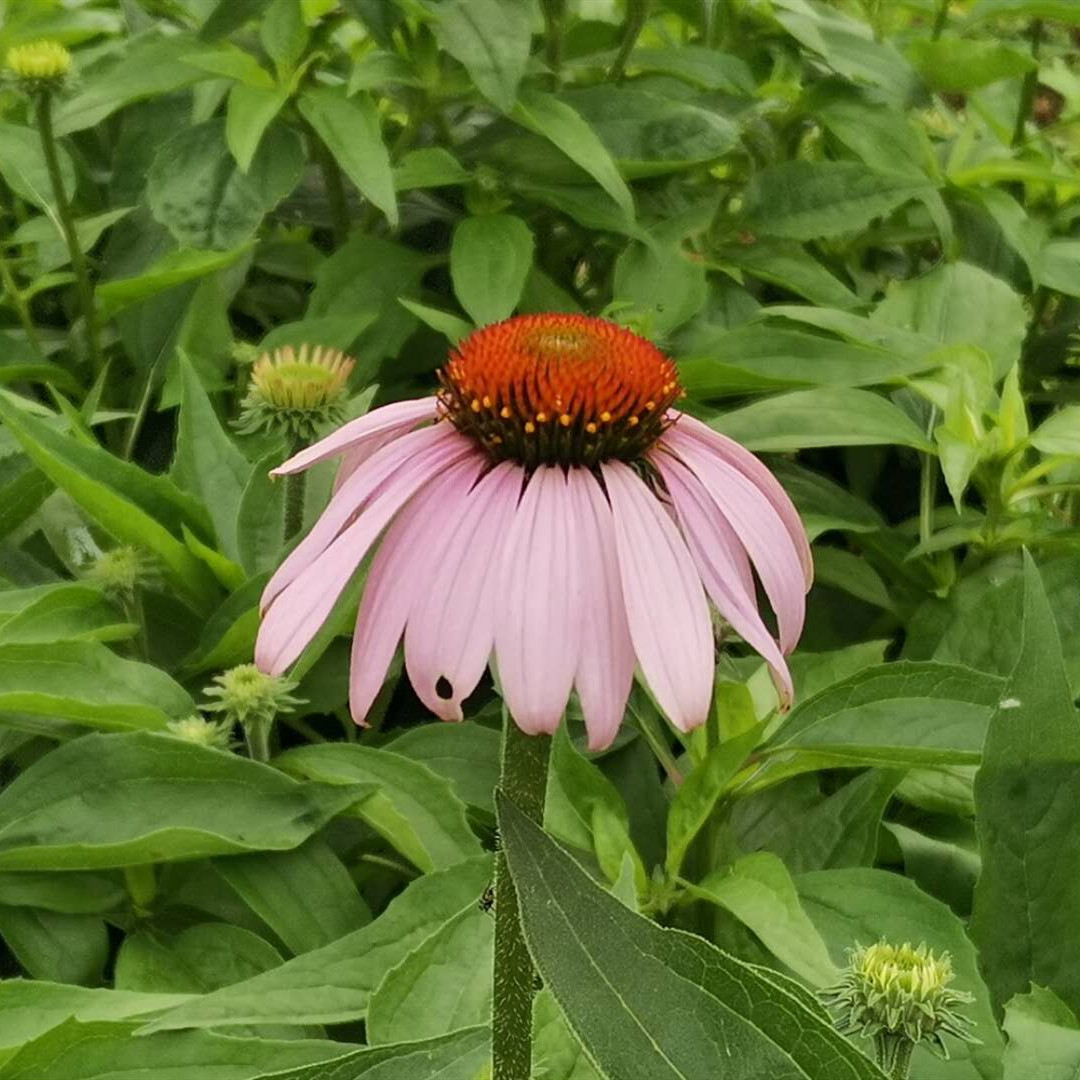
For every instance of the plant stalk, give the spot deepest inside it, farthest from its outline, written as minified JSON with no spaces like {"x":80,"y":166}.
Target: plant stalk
{"x":335,"y":187}
{"x":295,"y":487}
{"x":928,"y":485}
{"x":941,"y":17}
{"x":637,"y":14}
{"x":67,"y":223}
{"x":257,"y":739}
{"x":22,"y":309}
{"x":1027,"y":90}
{"x":522,"y":778}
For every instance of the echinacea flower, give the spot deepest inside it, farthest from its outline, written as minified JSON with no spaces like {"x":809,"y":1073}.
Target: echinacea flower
{"x":548,"y":507}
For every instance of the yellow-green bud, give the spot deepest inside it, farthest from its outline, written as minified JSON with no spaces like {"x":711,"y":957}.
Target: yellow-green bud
{"x":247,"y":696}
{"x":39,"y":65}
{"x":120,"y":572}
{"x":296,"y":390}
{"x":194,"y":729}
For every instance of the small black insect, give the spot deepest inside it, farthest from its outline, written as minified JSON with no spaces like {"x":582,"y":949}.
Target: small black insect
{"x":487,"y":900}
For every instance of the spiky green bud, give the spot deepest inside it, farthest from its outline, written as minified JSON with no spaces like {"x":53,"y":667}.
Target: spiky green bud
{"x":194,"y":729}
{"x":39,"y":66}
{"x":245,"y":695}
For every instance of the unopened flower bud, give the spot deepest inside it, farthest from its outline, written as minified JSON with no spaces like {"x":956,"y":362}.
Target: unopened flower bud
{"x":120,"y":572}
{"x":39,"y":66}
{"x":246,"y":696}
{"x":194,"y":729}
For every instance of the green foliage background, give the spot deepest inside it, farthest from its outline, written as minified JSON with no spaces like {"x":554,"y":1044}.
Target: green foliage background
{"x":853,"y":224}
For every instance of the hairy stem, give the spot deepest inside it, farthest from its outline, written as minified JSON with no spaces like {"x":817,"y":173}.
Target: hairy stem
{"x":67,"y":223}
{"x":522,"y":778}
{"x":257,"y":739}
{"x":295,"y":486}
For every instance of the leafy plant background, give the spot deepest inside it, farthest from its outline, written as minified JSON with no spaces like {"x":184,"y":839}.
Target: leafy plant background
{"x":854,"y":224}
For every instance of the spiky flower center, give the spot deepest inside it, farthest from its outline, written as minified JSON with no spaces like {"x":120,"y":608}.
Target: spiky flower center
{"x":559,"y":389}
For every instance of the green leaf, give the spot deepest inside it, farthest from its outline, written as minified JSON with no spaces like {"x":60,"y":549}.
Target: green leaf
{"x":22,"y":165}
{"x":443,"y":985}
{"x":562,"y":1055}
{"x":958,"y":65}
{"x":457,"y":1056}
{"x":465,"y":754}
{"x":1060,"y":434}
{"x":450,"y":326}
{"x":282,"y":888}
{"x":697,"y":796}
{"x":789,"y":265}
{"x":1027,"y":793}
{"x":230,"y":15}
{"x":85,"y":682}
{"x":1057,"y":266}
{"x":898,"y":713}
{"x":649,"y":133}
{"x":249,"y":112}
{"x":70,"y":893}
{"x":196,"y":189}
{"x":1044,"y":1037}
{"x":66,"y":612}
{"x":664,"y":284}
{"x":803,"y":200}
{"x":491,"y":38}
{"x":284,"y":34}
{"x":556,"y":121}
{"x":620,"y":979}
{"x":701,"y":66}
{"x":98,"y":1051}
{"x":154,"y":798}
{"x":430,"y":166}
{"x":412,"y":808}
{"x":131,"y":504}
{"x":333,"y":984}
{"x":490,"y":259}
{"x":207,"y":462}
{"x":828,"y":416}
{"x":864,"y":906}
{"x":758,"y":891}
{"x":56,"y":947}
{"x":231,"y":63}
{"x":349,"y":126}
{"x":824,"y":505}
{"x":260,"y":517}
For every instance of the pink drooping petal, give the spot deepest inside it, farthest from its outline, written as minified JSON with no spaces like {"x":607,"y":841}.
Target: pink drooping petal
{"x":753,"y":517}
{"x":451,"y":630}
{"x":754,"y":470}
{"x":427,"y":450}
{"x":401,"y":415}
{"x":605,"y":669}
{"x":298,"y":611}
{"x":352,"y":459}
{"x":722,"y":564}
{"x":538,"y":620}
{"x":666,"y":608}
{"x":399,"y":576}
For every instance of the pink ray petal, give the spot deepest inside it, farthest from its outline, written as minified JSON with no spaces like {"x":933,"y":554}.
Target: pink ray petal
{"x":426,"y":450}
{"x":605,"y":669}
{"x":398,"y":415}
{"x":537,"y":625}
{"x":754,"y":470}
{"x":753,"y":517}
{"x":353,"y":458}
{"x":304,"y":605}
{"x":399,"y":577}
{"x":666,"y":607}
{"x":722,"y":564}
{"x":451,"y":630}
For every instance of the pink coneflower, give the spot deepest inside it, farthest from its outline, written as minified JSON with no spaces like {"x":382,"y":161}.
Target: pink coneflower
{"x":550,"y":509}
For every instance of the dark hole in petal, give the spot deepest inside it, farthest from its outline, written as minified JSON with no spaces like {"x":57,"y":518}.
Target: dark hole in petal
{"x":444,"y":688}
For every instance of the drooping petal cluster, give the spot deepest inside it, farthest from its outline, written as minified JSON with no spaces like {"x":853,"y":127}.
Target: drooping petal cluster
{"x":562,"y":571}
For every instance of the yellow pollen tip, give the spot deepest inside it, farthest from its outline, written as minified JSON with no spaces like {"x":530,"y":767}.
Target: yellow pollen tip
{"x":505,"y":412}
{"x":632,"y":421}
{"x":590,"y":427}
{"x":487,"y":402}
{"x":565,"y":419}
{"x":475,"y":405}
{"x":650,"y":405}
{"x":605,"y":417}
{"x":541,"y":417}
{"x":530,"y":427}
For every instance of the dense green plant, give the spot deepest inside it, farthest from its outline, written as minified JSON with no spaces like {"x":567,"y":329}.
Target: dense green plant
{"x":853,"y":224}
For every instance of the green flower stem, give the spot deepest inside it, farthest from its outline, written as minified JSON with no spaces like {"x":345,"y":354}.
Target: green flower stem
{"x":141,"y":882}
{"x":928,"y":485}
{"x":257,"y":739}
{"x":522,"y":778}
{"x":637,"y":14}
{"x":67,"y":223}
{"x":18,"y":302}
{"x":894,"y":1055}
{"x":554,"y":13}
{"x":335,"y":187}
{"x":941,"y":17}
{"x":1027,"y":90}
{"x":295,"y":487}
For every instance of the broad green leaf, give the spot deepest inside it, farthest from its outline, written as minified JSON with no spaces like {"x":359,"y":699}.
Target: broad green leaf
{"x":827,"y":416}
{"x":431,"y":166}
{"x":901,"y":713}
{"x":665,"y":284}
{"x":863,"y":906}
{"x":461,"y":1055}
{"x":228,"y":637}
{"x":465,"y":754}
{"x":85,"y":682}
{"x":789,"y":265}
{"x":131,"y":504}
{"x":121,"y":800}
{"x":621,"y":980}
{"x":333,"y":984}
{"x":349,"y":126}
{"x":555,"y":1050}
{"x":416,"y":811}
{"x":556,"y":121}
{"x":22,"y":165}
{"x":1057,"y":266}
{"x":491,"y":38}
{"x":1027,"y":793}
{"x":260,"y":517}
{"x":146,"y":67}
{"x":454,"y":329}
{"x":849,"y":572}
{"x":50,"y":246}
{"x":696,"y":64}
{"x":196,"y":189}
{"x":306,"y":896}
{"x":66,"y":612}
{"x":249,"y":112}
{"x":284,"y":34}
{"x":103,"y":1050}
{"x":71,"y":893}
{"x":207,"y":462}
{"x":960,"y":304}
{"x":490,"y":259}
{"x":957,"y":65}
{"x":1062,"y":10}
{"x":697,"y":796}
{"x":443,"y":985}
{"x":231,"y":63}
{"x":648,"y":133}
{"x":198,"y":959}
{"x":56,"y":947}
{"x":1044,"y":1037}
{"x":823,"y":504}
{"x":804,"y":200}
{"x":758,"y":890}
{"x":29,"y":1009}
{"x":1060,"y":434}
{"x":229,"y":15}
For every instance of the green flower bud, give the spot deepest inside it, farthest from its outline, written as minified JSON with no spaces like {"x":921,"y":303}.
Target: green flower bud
{"x":195,"y":729}
{"x":246,"y":696}
{"x":120,"y":572}
{"x":39,"y":66}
